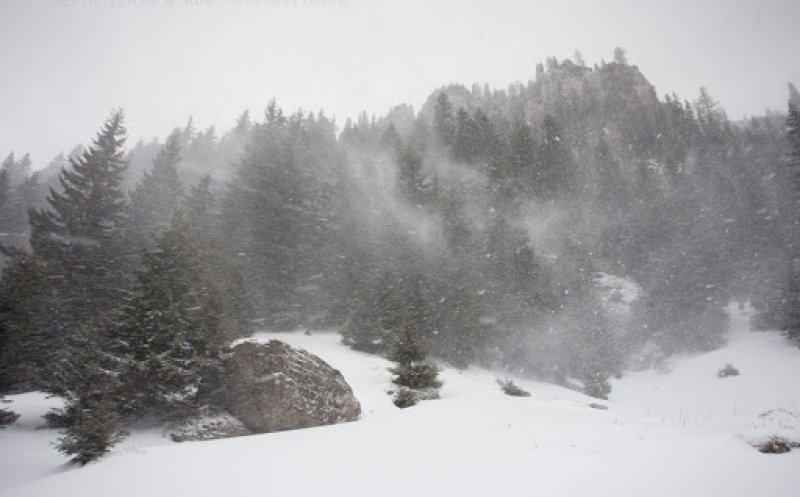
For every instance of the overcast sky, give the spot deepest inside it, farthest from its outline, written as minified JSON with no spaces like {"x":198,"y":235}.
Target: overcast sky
{"x":66,"y":63}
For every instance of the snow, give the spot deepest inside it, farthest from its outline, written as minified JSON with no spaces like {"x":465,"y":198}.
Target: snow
{"x":692,"y":395}
{"x":25,"y":451}
{"x":683,"y":432}
{"x":617,"y":293}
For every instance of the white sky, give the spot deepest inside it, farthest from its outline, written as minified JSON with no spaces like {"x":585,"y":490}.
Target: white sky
{"x":66,"y":63}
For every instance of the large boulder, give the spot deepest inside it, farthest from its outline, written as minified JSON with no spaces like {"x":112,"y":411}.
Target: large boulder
{"x":273,"y":386}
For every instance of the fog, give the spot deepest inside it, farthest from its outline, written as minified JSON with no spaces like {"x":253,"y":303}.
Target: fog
{"x":68,"y":62}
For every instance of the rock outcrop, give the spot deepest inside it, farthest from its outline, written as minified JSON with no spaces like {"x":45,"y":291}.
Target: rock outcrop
{"x":273,"y":387}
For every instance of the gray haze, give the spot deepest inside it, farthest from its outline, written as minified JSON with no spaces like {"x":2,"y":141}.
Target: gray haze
{"x":66,"y":63}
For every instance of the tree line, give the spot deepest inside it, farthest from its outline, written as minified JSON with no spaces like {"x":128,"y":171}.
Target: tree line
{"x":474,"y":229}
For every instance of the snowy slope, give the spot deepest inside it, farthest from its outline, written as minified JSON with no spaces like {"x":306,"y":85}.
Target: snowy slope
{"x":680,"y":433}
{"x":691,"y":395}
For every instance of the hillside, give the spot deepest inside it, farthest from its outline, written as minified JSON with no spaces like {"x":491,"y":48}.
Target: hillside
{"x":676,"y":431}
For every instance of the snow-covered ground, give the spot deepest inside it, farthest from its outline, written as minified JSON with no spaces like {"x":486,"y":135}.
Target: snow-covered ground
{"x":680,"y":432}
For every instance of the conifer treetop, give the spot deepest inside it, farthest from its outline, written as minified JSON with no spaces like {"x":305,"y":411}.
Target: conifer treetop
{"x":91,"y":204}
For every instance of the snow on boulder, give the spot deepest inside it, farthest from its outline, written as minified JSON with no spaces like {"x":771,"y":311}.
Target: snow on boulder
{"x":213,"y":427}
{"x":273,"y":387}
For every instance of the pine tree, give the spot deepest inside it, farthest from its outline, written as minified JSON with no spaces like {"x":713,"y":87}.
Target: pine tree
{"x":388,"y":295}
{"x":188,"y":133}
{"x":281,"y":213}
{"x":455,"y":227}
{"x":19,"y":191}
{"x":6,"y":416}
{"x":408,"y":350}
{"x":88,"y":372}
{"x":611,"y":189}
{"x":80,"y":242}
{"x":710,"y":116}
{"x":23,"y":342}
{"x":91,"y":205}
{"x":524,"y":175}
{"x":521,"y":287}
{"x":790,"y":308}
{"x":443,"y":119}
{"x":203,"y":218}
{"x":200,"y":206}
{"x":243,"y":124}
{"x":6,"y":165}
{"x":597,"y":353}
{"x":157,"y":194}
{"x":679,"y":258}
{"x":595,"y":383}
{"x":558,"y":169}
{"x":455,"y":311}
{"x":273,"y":115}
{"x":27,"y":195}
{"x":17,"y":170}
{"x":490,"y":148}
{"x":95,"y":428}
{"x":5,"y":212}
{"x":778,"y":301}
{"x":410,"y":178}
{"x":363,"y":330}
{"x":793,"y":155}
{"x":467,"y":141}
{"x":392,"y":140}
{"x":369,"y":311}
{"x":168,"y":334}
{"x":4,"y":198}
{"x":202,"y":153}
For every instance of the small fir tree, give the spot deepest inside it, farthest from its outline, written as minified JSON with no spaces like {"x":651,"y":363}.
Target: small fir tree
{"x":595,"y":384}
{"x":6,"y":416}
{"x":413,"y":369}
{"x":96,"y":427}
{"x":405,"y":397}
{"x":512,"y":389}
